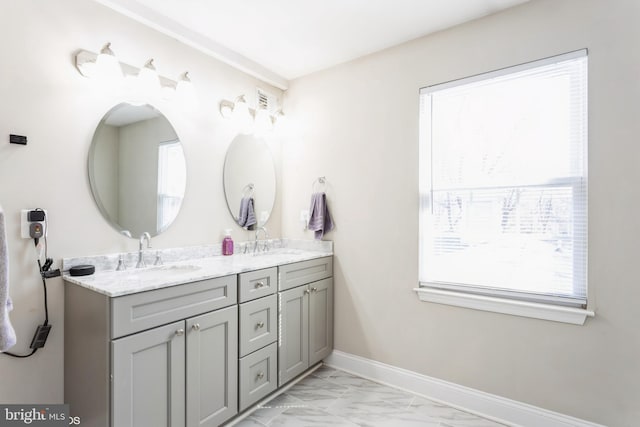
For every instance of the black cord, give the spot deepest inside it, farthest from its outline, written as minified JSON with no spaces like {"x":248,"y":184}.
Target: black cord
{"x":21,"y":356}
{"x":46,"y":317}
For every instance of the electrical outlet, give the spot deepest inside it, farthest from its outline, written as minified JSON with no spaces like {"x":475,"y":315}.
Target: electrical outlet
{"x":304,"y":219}
{"x":27,"y":227}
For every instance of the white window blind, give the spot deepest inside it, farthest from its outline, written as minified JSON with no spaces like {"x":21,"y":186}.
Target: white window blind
{"x":503,"y":182}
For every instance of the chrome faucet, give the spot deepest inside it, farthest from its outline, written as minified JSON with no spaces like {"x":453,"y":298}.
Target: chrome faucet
{"x":145,"y":236}
{"x":266,"y":237}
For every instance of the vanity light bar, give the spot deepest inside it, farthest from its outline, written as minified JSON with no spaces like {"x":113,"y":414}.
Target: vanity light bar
{"x":85,"y":62}
{"x":226,"y":110}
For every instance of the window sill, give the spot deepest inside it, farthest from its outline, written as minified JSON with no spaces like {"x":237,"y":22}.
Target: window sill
{"x":575,"y":316}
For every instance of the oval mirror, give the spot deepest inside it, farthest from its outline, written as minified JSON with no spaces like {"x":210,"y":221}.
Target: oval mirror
{"x":249,"y":181}
{"x":137,"y":170}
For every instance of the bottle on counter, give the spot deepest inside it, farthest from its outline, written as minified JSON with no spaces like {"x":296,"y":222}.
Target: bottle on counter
{"x":227,"y":243}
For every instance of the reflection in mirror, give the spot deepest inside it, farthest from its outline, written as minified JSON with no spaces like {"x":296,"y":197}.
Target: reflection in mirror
{"x":249,"y":181}
{"x":137,"y":170}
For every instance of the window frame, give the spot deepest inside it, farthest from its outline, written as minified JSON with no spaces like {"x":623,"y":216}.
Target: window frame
{"x":535,"y":305}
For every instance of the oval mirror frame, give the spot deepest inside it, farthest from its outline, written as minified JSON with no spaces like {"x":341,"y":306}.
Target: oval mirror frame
{"x":249,"y":172}
{"x":137,"y":170}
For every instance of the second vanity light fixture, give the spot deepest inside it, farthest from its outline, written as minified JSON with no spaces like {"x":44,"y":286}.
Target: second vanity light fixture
{"x":247,"y":120}
{"x":142,"y":83}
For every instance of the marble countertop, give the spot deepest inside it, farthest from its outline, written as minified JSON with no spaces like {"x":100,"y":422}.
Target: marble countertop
{"x":118,"y":283}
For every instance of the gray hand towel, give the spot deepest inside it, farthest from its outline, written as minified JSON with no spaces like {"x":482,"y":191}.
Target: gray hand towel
{"x":319,"y":217}
{"x":247,"y":217}
{"x":7,"y":334}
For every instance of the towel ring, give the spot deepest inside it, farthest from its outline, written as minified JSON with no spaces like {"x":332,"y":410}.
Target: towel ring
{"x":248,"y":190}
{"x":320,"y":182}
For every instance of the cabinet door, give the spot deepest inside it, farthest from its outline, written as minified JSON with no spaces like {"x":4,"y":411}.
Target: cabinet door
{"x":320,"y":320}
{"x":293,"y":349}
{"x":148,"y":370}
{"x":212,"y":367}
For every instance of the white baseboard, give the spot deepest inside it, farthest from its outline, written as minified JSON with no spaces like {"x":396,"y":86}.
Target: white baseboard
{"x":487,"y":405}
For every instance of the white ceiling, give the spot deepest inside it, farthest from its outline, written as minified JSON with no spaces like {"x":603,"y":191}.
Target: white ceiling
{"x":280,"y":40}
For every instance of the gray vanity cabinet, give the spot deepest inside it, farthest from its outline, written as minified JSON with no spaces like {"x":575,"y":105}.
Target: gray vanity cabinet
{"x":149,"y":378}
{"x":320,"y":320}
{"x":211,"y":367}
{"x":293,"y":352}
{"x":195,"y":354}
{"x":149,"y":371}
{"x":160,"y":358}
{"x":305,"y":304}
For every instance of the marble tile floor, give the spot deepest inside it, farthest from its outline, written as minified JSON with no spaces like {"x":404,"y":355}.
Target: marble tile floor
{"x":330,"y":397}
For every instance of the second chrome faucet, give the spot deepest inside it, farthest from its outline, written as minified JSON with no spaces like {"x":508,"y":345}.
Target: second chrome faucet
{"x":145,"y":236}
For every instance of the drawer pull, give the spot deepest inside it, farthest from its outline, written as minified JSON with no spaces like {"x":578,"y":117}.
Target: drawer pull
{"x":195,"y":326}
{"x":180,"y":332}
{"x":259,"y":325}
{"x":260,"y":375}
{"x":259,"y":285}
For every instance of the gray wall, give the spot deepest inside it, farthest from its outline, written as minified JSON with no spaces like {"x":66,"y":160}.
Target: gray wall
{"x":44,"y":97}
{"x":357,"y":124}
{"x":105,"y":165}
{"x":138,"y":198}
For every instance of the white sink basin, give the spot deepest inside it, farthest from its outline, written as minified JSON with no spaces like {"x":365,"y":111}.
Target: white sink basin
{"x":160,"y":271}
{"x":178,"y":268}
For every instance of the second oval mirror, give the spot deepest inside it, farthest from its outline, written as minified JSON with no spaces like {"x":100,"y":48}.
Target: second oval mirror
{"x":249,"y":181}
{"x":137,"y":170}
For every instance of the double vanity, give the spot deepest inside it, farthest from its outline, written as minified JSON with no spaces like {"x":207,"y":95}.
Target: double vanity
{"x":197,"y":340}
{"x":187,"y":337}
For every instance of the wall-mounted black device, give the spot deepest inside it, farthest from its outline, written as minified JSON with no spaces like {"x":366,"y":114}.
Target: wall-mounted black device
{"x":36,"y":215}
{"x":40,"y":337}
{"x":18,"y":139}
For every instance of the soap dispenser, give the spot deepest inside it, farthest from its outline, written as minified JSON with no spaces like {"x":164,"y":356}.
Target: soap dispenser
{"x":227,"y":243}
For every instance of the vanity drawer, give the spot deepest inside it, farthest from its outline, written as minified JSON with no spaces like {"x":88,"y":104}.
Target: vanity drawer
{"x":257,"y":284}
{"x":258,"y":375}
{"x":145,"y":310}
{"x":258,"y":324}
{"x":300,"y":273}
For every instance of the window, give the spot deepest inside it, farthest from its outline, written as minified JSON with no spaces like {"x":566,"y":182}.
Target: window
{"x":503,"y":183}
{"x":172,"y":179}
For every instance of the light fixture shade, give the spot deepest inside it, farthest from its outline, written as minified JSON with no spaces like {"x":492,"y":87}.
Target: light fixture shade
{"x":148,"y":80}
{"x":263,"y":123}
{"x":108,"y":67}
{"x":241,"y":117}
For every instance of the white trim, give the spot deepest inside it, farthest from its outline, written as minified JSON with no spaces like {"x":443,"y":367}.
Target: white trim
{"x":168,"y":26}
{"x":556,"y":313}
{"x":487,"y":405}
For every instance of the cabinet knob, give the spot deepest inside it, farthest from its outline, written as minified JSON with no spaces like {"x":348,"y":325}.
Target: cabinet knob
{"x":260,"y":375}
{"x":307,"y":291}
{"x":259,"y":285}
{"x":259,"y":325}
{"x":195,"y":326}
{"x":314,"y":289}
{"x":180,"y":332}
